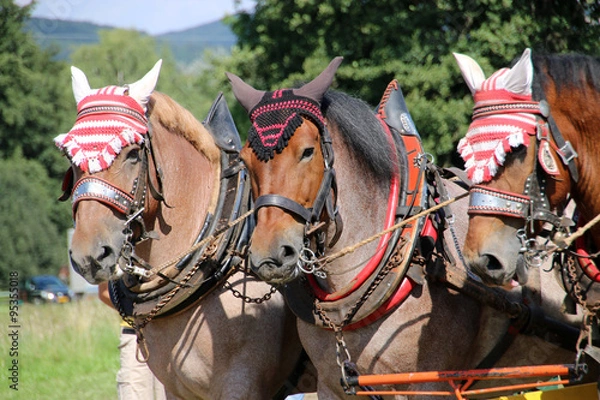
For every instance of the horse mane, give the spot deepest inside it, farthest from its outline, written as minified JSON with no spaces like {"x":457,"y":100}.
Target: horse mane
{"x":361,"y":131}
{"x":567,"y":71}
{"x":168,"y":113}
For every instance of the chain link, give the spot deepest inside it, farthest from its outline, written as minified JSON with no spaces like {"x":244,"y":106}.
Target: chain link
{"x":247,"y":299}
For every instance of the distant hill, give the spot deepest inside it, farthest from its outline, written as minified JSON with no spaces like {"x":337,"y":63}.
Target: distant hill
{"x":187,"y":45}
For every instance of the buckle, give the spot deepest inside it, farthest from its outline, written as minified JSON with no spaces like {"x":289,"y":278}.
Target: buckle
{"x":567,"y":153}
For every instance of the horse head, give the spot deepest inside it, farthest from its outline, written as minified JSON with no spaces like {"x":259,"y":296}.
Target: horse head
{"x":512,"y":157}
{"x":289,"y":159}
{"x":108,"y":151}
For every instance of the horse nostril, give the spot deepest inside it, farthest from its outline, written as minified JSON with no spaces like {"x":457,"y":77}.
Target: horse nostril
{"x":492,"y":263}
{"x":288,"y":254}
{"x":105,"y":252}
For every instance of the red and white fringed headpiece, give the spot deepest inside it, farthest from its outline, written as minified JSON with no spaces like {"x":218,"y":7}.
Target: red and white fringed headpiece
{"x":502,"y":120}
{"x":107,"y":121}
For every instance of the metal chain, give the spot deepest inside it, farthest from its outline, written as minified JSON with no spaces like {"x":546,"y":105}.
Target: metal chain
{"x":209,"y":252}
{"x":341,"y":349}
{"x":247,"y":299}
{"x":578,"y":291}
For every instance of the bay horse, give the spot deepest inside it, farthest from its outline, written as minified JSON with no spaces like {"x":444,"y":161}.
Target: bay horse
{"x":370,"y":309}
{"x":531,"y":148}
{"x":149,"y":183}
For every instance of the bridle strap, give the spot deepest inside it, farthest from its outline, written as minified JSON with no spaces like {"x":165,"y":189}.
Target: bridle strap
{"x":485,"y":200}
{"x":323,"y":199}
{"x":311,"y":214}
{"x":564,"y":148}
{"x":92,"y":188}
{"x":275,"y":200}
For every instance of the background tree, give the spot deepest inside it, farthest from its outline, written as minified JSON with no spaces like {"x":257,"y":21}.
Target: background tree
{"x":283,"y":43}
{"x":124,"y":56}
{"x":33,"y":110}
{"x":33,"y":224}
{"x":33,"y":107}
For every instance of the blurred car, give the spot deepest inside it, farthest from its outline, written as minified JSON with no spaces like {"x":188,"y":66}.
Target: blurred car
{"x":46,"y":289}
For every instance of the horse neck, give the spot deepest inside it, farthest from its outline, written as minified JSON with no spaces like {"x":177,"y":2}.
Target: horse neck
{"x":576,"y":117}
{"x":189,"y":185}
{"x":363,"y":205}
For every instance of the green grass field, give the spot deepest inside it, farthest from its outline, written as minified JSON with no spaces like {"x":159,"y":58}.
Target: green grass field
{"x":65,"y":351}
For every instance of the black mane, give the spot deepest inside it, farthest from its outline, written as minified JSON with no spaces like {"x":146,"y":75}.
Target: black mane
{"x":567,"y":71}
{"x":362,"y":132}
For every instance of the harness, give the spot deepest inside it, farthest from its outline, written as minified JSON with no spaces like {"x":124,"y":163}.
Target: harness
{"x":144,"y":292}
{"x":578,"y":267}
{"x":385,"y":281}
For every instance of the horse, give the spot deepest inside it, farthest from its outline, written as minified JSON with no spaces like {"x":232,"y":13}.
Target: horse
{"x":524,"y":189}
{"x":363,"y":291}
{"x":155,"y":194}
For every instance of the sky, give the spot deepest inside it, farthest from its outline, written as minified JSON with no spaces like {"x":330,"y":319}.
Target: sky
{"x":151,"y":16}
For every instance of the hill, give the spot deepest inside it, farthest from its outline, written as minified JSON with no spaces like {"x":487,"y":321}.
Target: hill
{"x":187,"y":45}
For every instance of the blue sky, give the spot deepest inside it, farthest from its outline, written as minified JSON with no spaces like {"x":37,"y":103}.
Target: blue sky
{"x":151,"y":16}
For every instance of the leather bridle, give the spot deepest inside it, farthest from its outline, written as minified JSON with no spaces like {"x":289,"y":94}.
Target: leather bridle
{"x":311,"y":216}
{"x":131,"y":203}
{"x":532,"y":204}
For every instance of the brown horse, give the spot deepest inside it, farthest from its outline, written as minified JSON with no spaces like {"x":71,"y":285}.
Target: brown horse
{"x":149,"y":181}
{"x":530,"y":149}
{"x":368,"y":308}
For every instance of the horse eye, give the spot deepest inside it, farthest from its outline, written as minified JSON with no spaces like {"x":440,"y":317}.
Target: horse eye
{"x":134,"y":155}
{"x":308,"y":153}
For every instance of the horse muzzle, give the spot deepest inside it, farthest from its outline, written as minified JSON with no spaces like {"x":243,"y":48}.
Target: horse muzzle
{"x":276,"y":270}
{"x":96,"y":269}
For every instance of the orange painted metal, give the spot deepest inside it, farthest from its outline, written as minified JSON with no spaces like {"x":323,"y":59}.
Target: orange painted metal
{"x":460,"y":381}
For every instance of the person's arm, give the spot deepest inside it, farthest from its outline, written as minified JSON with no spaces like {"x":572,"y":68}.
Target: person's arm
{"x":103,"y":294}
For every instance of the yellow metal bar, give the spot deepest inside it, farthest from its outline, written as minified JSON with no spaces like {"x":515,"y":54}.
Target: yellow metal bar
{"x":588,"y":391}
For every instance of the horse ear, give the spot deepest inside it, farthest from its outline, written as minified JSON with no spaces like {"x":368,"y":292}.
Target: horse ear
{"x":520,"y":77}
{"x":81,"y":87}
{"x":142,"y":89}
{"x":247,"y":96}
{"x":471,"y":72}
{"x":316,"y":88}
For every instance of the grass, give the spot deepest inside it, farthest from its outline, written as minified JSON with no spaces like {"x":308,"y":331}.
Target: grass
{"x":65,"y":351}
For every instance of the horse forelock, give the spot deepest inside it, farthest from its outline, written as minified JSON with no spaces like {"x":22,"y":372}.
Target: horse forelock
{"x":172,"y":116}
{"x":361,"y":131}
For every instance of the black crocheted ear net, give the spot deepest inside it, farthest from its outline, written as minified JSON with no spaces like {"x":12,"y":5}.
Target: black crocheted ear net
{"x":275,"y":119}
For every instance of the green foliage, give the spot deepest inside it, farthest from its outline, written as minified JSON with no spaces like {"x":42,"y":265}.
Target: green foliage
{"x":125,"y":56}
{"x":283,"y":43}
{"x":32,"y":91}
{"x":33,"y":224}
